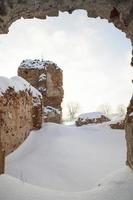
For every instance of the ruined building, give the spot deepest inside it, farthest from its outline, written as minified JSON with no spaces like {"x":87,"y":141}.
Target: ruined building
{"x":47,"y":78}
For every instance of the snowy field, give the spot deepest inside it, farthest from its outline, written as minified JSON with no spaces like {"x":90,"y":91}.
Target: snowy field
{"x":68,"y":162}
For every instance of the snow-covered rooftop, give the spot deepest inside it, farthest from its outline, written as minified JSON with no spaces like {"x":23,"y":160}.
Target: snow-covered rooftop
{"x":36,"y":63}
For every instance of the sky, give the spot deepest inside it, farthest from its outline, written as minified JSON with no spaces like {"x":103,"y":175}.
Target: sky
{"x":93,"y":54}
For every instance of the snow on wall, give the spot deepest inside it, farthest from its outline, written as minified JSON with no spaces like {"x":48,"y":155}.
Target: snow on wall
{"x":39,"y":64}
{"x":19,"y":84}
{"x":52,"y":114}
{"x":49,"y":109}
{"x":42,"y":77}
{"x":20,"y":111}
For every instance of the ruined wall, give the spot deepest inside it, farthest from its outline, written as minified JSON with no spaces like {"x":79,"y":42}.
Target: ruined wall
{"x":16,"y":120}
{"x":46,"y":77}
{"x":2,"y":159}
{"x":129,"y":133}
{"x":17,"y":114}
{"x":118,"y":124}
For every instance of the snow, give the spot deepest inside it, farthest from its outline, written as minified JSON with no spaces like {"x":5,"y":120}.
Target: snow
{"x":91,"y":115}
{"x":131,"y":114}
{"x":117,"y":119}
{"x":35,"y":92}
{"x":19,"y":84}
{"x":41,"y":89}
{"x":42,"y":77}
{"x":5,"y":83}
{"x":118,"y":186}
{"x":49,"y":109}
{"x":61,"y":162}
{"x":38,"y":64}
{"x":67,"y":158}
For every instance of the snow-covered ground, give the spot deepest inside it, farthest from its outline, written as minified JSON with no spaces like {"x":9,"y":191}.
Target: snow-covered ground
{"x":116,"y":187}
{"x":68,"y":162}
{"x":68,"y":158}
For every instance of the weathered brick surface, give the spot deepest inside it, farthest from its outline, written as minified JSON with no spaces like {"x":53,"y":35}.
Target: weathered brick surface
{"x":17,"y":114}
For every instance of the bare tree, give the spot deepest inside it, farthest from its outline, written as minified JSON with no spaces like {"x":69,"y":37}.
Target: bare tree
{"x":73,"y":109}
{"x":105,"y":108}
{"x":121,"y":109}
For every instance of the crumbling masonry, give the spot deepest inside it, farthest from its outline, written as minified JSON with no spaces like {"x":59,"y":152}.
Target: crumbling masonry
{"x":47,"y":78}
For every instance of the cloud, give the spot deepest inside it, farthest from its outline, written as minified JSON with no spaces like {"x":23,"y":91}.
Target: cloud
{"x":94,"y":55}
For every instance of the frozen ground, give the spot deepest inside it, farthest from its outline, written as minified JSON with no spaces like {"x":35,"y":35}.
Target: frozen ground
{"x":68,"y":162}
{"x":68,"y":158}
{"x":117,"y":187}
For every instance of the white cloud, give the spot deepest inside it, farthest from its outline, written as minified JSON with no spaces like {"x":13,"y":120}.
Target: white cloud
{"x":94,"y":55}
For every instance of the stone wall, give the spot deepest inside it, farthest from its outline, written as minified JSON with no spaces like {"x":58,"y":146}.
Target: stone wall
{"x":47,"y":78}
{"x":20,"y":112}
{"x":118,"y":124}
{"x":129,"y":133}
{"x":2,"y":159}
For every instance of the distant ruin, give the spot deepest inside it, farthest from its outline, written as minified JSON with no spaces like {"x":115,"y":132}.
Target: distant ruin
{"x":118,"y":124}
{"x":47,"y":78}
{"x":91,"y":118}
